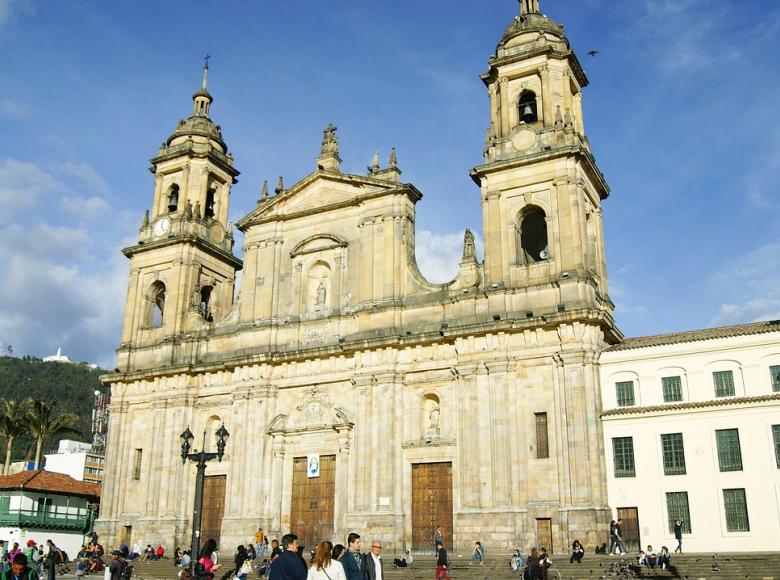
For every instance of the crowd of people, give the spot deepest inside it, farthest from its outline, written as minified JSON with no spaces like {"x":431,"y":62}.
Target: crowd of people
{"x":33,"y":561}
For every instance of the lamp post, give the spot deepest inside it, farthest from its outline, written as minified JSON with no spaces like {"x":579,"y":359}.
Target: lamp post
{"x":200,"y":458}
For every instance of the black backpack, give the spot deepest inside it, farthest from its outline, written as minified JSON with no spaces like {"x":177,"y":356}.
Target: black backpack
{"x":126,"y":572}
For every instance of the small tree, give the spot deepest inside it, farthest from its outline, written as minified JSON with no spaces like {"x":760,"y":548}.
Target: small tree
{"x":42,"y":425}
{"x":13,"y":424}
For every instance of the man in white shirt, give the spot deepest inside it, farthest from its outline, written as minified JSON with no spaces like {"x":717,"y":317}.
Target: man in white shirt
{"x":374,"y":562}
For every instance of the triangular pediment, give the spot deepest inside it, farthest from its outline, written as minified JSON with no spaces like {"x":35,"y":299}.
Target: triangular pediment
{"x":317,"y":192}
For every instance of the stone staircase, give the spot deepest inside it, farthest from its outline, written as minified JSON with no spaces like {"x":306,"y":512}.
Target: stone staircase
{"x":756,"y":566}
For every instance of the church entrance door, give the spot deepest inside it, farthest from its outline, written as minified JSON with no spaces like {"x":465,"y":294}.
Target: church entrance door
{"x":213,"y":508}
{"x":311,"y":515}
{"x":431,"y":504}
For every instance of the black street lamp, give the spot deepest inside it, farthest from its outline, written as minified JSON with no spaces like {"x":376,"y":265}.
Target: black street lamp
{"x":200,"y":458}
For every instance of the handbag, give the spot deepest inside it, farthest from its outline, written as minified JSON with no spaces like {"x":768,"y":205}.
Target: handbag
{"x":246,"y":567}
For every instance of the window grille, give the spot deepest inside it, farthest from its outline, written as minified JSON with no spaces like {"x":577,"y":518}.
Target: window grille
{"x":623,"y":450}
{"x":677,"y":509}
{"x":724,"y":383}
{"x":672,"y":389}
{"x":729,"y":452}
{"x":776,"y":436}
{"x":775,"y":373}
{"x":625,"y":393}
{"x":735,"y":504}
{"x":673,"y":454}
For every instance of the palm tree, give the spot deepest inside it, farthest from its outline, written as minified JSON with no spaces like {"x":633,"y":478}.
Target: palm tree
{"x":13,"y":424}
{"x":42,"y":425}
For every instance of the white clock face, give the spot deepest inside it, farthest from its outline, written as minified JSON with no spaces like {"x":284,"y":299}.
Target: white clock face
{"x":162,"y":226}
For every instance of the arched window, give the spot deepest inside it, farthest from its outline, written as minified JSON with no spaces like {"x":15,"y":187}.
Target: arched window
{"x":532,"y":236}
{"x":205,"y":303}
{"x":156,"y":307}
{"x":173,"y":198}
{"x":210,"y":201}
{"x":526,"y":107}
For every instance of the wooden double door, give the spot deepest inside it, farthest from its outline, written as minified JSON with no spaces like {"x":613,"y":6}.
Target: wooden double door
{"x":431,"y":504}
{"x":311,"y":513}
{"x":630,"y":517}
{"x":213,"y":508}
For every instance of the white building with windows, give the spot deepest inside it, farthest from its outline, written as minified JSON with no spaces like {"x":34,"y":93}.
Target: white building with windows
{"x":692,"y":430}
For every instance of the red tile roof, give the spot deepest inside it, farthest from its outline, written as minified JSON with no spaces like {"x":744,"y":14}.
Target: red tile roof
{"x":697,"y":335}
{"x":50,"y":482}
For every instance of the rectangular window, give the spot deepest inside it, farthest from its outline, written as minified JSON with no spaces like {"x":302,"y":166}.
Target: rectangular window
{"x":542,"y":444}
{"x":724,"y":383}
{"x":672,"y":389}
{"x":673,"y":453}
{"x":677,"y":509}
{"x":776,"y":436}
{"x":625,"y":393}
{"x":729,"y":452}
{"x":775,"y":373}
{"x":735,"y":504}
{"x":137,"y":465}
{"x":623,"y":450}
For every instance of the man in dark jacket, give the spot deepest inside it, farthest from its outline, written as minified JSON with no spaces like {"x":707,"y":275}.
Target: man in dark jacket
{"x":441,"y":562}
{"x":353,"y":561}
{"x":288,"y":566}
{"x":19,"y":570}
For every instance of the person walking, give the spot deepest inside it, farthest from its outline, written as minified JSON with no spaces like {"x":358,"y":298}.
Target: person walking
{"x":612,"y":538}
{"x":289,"y":565}
{"x":374,"y":570}
{"x":678,"y":535}
{"x":53,"y":557}
{"x":619,"y":536}
{"x":115,"y":566}
{"x":438,"y":538}
{"x":441,"y":562}
{"x":353,"y":561}
{"x":323,"y":566}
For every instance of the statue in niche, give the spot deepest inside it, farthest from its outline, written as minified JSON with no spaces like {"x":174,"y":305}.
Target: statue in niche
{"x":321,"y":296}
{"x":434,"y":415}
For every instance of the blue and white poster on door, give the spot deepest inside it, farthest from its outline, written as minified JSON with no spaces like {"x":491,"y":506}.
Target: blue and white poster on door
{"x":313,"y":466}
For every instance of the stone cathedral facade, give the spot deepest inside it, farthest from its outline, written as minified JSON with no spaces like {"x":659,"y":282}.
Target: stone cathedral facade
{"x":472,"y":405}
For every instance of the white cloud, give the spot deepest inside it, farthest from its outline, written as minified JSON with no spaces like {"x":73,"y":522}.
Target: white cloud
{"x":87,"y":208}
{"x":56,"y":293}
{"x":438,"y":255}
{"x":13,"y":109}
{"x":22,"y":184}
{"x":85,"y":175}
{"x":753,"y":280}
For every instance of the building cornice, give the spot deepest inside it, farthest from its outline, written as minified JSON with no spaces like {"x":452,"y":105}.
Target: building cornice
{"x":730,"y":402}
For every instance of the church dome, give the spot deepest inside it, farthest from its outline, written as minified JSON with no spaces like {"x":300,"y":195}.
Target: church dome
{"x":198,"y":126}
{"x":531,"y":23}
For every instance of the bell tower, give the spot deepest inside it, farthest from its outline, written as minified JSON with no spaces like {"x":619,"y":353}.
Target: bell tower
{"x":541,"y":189}
{"x":182,"y":270}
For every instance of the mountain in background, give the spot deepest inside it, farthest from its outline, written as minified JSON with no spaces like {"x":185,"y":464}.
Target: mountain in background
{"x":71,"y":386}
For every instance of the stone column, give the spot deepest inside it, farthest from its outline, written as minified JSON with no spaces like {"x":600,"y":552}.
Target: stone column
{"x":157,"y":207}
{"x":276,"y":492}
{"x":505,"y":114}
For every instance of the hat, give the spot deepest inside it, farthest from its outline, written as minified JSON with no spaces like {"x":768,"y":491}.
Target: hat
{"x":116,"y":553}
{"x":30,"y":543}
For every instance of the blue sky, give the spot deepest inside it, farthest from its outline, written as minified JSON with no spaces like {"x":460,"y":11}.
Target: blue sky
{"x":681,"y":113}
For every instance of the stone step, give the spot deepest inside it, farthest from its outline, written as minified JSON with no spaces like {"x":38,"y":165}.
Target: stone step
{"x":693,"y":566}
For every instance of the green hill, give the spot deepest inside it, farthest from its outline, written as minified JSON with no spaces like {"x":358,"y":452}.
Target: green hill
{"x":71,"y":386}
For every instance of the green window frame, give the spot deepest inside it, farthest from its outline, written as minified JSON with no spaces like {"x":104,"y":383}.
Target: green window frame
{"x":625,"y":393}
{"x":677,"y":509}
{"x":623,"y":451}
{"x":735,"y":505}
{"x":673,"y":453}
{"x":774,"y":373}
{"x":776,"y":437}
{"x":729,"y":452}
{"x":724,"y":383}
{"x":672,"y":389}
